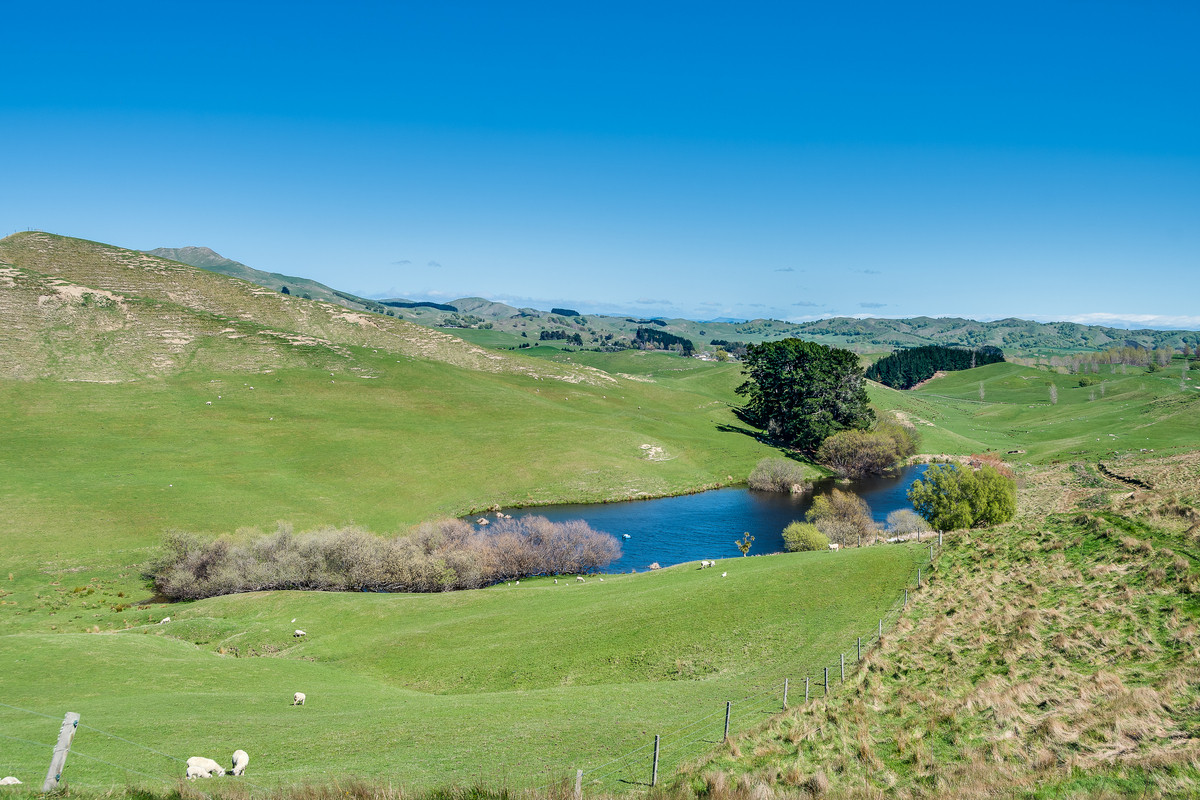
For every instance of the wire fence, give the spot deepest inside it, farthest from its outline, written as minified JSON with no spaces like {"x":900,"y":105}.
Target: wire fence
{"x":696,"y":731}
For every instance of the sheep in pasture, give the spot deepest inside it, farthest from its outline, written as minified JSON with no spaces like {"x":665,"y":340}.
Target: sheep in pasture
{"x":833,"y":546}
{"x":556,"y":581}
{"x":298,"y":699}
{"x":579,"y":578}
{"x":201,"y":767}
{"x":299,"y":633}
{"x":240,"y":759}
{"x":602,"y":580}
{"x":723,"y":574}
{"x":9,"y":780}
{"x":164,"y":620}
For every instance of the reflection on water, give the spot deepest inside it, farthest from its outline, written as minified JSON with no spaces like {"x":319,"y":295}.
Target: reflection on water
{"x":671,"y":530}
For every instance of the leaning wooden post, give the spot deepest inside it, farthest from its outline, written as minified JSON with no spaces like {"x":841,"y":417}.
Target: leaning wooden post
{"x":906,"y":597}
{"x":860,"y":648}
{"x":785,"y":688}
{"x":578,"y":784}
{"x":654,"y":775}
{"x":58,"y":761}
{"x":727,"y":705}
{"x":827,"y":681}
{"x":805,"y":690}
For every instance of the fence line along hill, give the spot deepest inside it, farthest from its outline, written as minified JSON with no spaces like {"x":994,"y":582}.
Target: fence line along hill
{"x":81,"y":310}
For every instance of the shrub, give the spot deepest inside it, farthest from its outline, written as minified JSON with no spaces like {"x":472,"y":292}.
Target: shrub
{"x":434,"y":556}
{"x":905,"y":521}
{"x":951,"y":497}
{"x":800,"y":536}
{"x":844,"y":517}
{"x":855,"y":454}
{"x":779,"y":475}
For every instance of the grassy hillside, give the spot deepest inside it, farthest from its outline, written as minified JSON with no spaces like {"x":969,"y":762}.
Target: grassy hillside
{"x":1052,"y":657}
{"x":1115,"y":414}
{"x":517,"y":684}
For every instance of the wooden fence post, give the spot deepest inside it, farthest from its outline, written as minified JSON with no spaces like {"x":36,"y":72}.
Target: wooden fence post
{"x":654,"y":775}
{"x":842,"y":658}
{"x":906,"y":597}
{"x":860,"y":649}
{"x":918,"y":577}
{"x":827,"y":681}
{"x":58,"y":761}
{"x":785,"y":688}
{"x":930,"y":554}
{"x":578,"y":784}
{"x":880,"y":637}
{"x":805,"y":690}
{"x":727,"y":705}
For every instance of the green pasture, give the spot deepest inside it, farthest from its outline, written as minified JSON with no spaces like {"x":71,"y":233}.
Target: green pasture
{"x":518,"y":685}
{"x":1113,"y":413}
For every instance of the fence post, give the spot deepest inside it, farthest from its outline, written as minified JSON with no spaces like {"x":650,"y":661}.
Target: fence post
{"x":906,"y":597}
{"x":842,"y":658}
{"x":805,"y":690}
{"x":654,"y":775}
{"x":880,"y":637}
{"x":939,"y":538}
{"x":860,"y":648}
{"x":827,"y":681}
{"x":930,"y":554}
{"x":727,"y":705}
{"x":578,"y":784}
{"x":918,"y":577}
{"x":785,"y":688}
{"x":58,"y":761}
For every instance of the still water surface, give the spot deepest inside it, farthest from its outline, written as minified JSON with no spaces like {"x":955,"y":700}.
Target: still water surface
{"x":671,"y":530}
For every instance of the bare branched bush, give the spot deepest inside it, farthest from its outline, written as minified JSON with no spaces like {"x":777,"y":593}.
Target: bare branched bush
{"x":905,"y":521}
{"x":844,"y":517}
{"x":779,"y":475}
{"x":433,"y":557}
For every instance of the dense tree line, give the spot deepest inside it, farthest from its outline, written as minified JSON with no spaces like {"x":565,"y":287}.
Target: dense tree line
{"x":573,"y":338}
{"x":904,"y":369}
{"x":650,"y":338}
{"x":433,"y":557}
{"x":801,"y":393}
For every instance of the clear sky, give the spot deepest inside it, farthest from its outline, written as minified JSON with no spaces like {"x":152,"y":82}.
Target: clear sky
{"x":791,"y":160}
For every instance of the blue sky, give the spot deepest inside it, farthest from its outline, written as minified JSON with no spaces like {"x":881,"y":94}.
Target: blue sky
{"x":789,"y":160}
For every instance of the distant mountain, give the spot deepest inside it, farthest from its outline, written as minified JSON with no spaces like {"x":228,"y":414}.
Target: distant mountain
{"x":76,"y":310}
{"x":1016,"y":336}
{"x":208,"y":259}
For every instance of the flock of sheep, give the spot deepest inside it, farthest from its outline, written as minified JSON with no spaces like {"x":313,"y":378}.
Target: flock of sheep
{"x":201,"y":767}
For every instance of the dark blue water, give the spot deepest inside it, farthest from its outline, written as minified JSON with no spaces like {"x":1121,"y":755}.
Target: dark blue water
{"x":671,"y":530}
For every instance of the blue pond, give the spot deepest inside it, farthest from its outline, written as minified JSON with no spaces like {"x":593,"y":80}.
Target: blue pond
{"x":671,"y":530}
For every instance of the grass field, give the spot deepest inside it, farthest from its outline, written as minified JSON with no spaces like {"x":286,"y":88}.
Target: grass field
{"x":517,"y":685}
{"x":1131,"y":413}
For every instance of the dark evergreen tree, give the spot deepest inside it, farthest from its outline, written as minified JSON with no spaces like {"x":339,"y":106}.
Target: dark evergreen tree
{"x":904,"y":369}
{"x":802,"y":392}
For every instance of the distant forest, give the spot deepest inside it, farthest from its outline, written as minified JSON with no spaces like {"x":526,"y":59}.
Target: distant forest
{"x":904,"y":369}
{"x":648,"y":337}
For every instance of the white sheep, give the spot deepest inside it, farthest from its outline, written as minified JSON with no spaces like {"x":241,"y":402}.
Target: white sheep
{"x":723,"y":574}
{"x":240,"y":759}
{"x":9,"y":780}
{"x":201,"y":767}
{"x":833,"y":546}
{"x":602,"y":580}
{"x":298,"y":699}
{"x":164,"y":620}
{"x":579,"y":578}
{"x":299,"y":633}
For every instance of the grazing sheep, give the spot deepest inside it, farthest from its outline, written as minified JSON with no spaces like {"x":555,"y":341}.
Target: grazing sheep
{"x":240,"y":759}
{"x":723,"y":574}
{"x":556,"y":581}
{"x":9,"y":781}
{"x":833,"y":546}
{"x":602,"y":580}
{"x":201,"y":767}
{"x":164,"y":620}
{"x":298,"y":633}
{"x":579,"y":578}
{"x":298,"y":699}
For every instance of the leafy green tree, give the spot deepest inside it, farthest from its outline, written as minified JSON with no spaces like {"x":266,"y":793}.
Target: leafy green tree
{"x":950,"y":497}
{"x":800,"y":536}
{"x":803,"y":392}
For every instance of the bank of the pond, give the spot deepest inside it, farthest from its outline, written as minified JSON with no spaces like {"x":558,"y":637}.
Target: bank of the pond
{"x":672,"y":530}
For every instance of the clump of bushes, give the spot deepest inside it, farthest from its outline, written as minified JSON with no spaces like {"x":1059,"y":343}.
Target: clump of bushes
{"x":856,"y":454}
{"x":844,"y":517}
{"x":905,"y":522}
{"x":779,"y":475}
{"x":950,"y":497}
{"x":435,"y":556}
{"x":801,"y":536}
